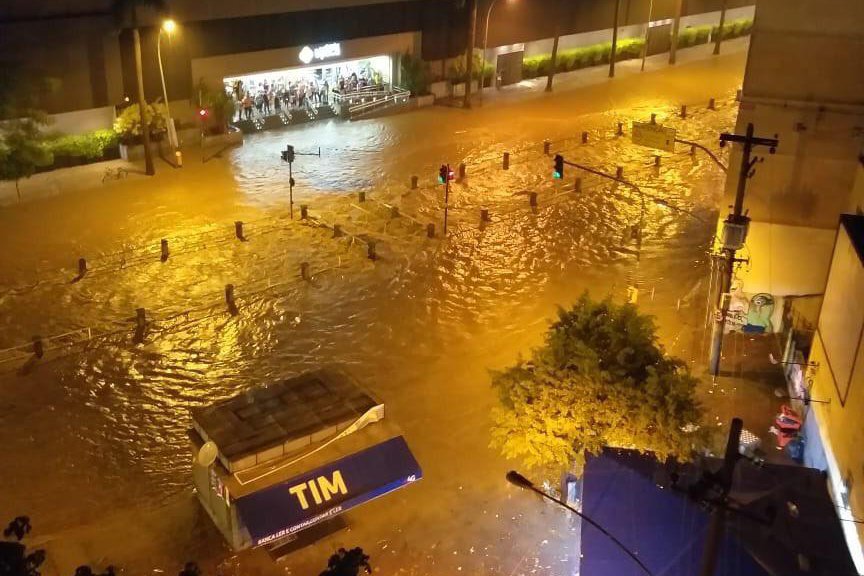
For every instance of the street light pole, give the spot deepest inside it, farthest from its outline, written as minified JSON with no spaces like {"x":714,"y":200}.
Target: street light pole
{"x":647,"y":30}
{"x":168,"y":26}
{"x":518,"y":480}
{"x":485,"y":45}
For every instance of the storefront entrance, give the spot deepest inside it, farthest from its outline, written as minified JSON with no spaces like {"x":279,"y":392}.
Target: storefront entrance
{"x":306,"y":92}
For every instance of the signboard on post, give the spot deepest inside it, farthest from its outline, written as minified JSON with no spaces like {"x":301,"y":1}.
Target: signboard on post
{"x":654,"y":136}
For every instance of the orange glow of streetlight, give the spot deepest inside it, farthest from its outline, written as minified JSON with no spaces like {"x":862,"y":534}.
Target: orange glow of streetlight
{"x":169,"y":26}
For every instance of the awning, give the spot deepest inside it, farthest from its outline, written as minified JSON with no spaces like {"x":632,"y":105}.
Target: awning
{"x":305,"y":500}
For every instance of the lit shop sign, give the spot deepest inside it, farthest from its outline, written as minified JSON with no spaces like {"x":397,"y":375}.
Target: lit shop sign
{"x":323,"y":52}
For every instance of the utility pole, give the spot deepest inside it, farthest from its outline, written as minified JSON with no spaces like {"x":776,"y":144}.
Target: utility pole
{"x":734,"y":234}
{"x":614,"y":40}
{"x":676,"y":26}
{"x":720,"y":29}
{"x":722,"y":482}
{"x":469,"y":52}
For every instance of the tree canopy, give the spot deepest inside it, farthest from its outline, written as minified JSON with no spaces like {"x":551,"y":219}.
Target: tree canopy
{"x":600,"y":379}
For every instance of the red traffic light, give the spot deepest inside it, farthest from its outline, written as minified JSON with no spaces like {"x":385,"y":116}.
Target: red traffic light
{"x":445,"y":174}
{"x":202,"y":112}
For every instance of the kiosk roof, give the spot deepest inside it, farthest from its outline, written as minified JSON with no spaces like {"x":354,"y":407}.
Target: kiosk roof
{"x":266,"y":416}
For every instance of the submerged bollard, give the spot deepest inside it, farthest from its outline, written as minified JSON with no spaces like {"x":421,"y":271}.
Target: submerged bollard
{"x":394,"y":211}
{"x":547,"y":146}
{"x":653,"y":118}
{"x":577,"y":185}
{"x":711,"y":104}
{"x":505,"y":163}
{"x":304,"y":270}
{"x":532,"y":199}
{"x":657,"y":160}
{"x":462,"y":170}
{"x":82,"y":267}
{"x":140,"y":325}
{"x":304,"y":211}
{"x":683,"y":111}
{"x":430,"y":230}
{"x":619,"y":172}
{"x":413,"y":182}
{"x":584,"y":137}
{"x":370,"y":250}
{"x":620,"y":131}
{"x":229,"y":300}
{"x":163,"y":247}
{"x":238,"y":230}
{"x":337,"y":230}
{"x":484,"y":215}
{"x":692,"y":150}
{"x":38,"y":347}
{"x":361,"y":196}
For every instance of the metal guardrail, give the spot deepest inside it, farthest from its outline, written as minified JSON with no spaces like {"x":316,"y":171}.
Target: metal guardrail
{"x":376,"y":101}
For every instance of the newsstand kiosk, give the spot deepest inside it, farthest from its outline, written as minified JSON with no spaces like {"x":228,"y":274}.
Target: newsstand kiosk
{"x":280,"y":458}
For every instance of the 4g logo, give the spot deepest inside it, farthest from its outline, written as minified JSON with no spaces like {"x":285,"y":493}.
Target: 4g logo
{"x":322,"y":489}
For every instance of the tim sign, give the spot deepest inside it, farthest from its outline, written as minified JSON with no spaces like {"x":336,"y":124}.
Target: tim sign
{"x":288,"y":507}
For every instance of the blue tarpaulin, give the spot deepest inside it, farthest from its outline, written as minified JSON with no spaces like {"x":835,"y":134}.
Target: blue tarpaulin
{"x":663,"y":528}
{"x":305,"y":500}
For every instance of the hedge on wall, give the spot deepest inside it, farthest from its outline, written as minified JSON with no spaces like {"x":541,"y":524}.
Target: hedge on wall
{"x":627,"y":48}
{"x":583,"y":57}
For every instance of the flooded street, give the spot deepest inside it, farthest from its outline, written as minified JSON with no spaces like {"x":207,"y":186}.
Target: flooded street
{"x":97,"y":432}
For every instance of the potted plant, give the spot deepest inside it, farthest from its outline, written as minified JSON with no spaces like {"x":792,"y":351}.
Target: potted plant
{"x":127,"y":126}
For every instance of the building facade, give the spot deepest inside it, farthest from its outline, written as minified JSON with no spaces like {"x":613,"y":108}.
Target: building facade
{"x":835,"y":377}
{"x":804,"y":83}
{"x":89,"y":60}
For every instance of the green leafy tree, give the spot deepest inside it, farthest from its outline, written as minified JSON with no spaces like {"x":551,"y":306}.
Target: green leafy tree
{"x":22,"y":150}
{"x":219,"y":105}
{"x":600,"y":379}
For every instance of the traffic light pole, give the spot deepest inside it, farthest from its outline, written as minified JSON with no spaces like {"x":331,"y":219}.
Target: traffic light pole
{"x":735,"y":219}
{"x":291,"y":189}
{"x":446,"y":198}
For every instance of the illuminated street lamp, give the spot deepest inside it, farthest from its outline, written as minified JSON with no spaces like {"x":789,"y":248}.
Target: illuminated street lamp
{"x":168,"y":26}
{"x":517,"y":479}
{"x":485,"y":43}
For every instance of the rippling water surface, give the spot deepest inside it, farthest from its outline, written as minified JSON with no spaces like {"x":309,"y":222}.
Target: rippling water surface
{"x":103,"y":427}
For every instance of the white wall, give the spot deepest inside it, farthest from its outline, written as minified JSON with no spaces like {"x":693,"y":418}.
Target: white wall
{"x":81,"y":121}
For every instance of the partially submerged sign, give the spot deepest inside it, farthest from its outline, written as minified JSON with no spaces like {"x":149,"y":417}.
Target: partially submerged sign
{"x":288,"y":507}
{"x":654,"y":136}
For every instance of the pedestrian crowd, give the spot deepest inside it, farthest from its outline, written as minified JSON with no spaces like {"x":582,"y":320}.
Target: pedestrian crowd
{"x":273,"y":96}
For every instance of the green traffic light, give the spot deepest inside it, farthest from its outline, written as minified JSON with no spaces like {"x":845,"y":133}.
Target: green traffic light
{"x":556,"y":175}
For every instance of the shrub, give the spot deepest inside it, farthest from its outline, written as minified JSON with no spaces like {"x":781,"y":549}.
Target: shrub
{"x":458,"y":71}
{"x":734,"y":28}
{"x":629,"y":48}
{"x":415,"y":75}
{"x":544,"y":65}
{"x":128,"y":125}
{"x":91,"y":145}
{"x":529,"y":67}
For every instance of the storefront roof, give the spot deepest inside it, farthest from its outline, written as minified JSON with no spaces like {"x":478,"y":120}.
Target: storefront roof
{"x":787,"y":526}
